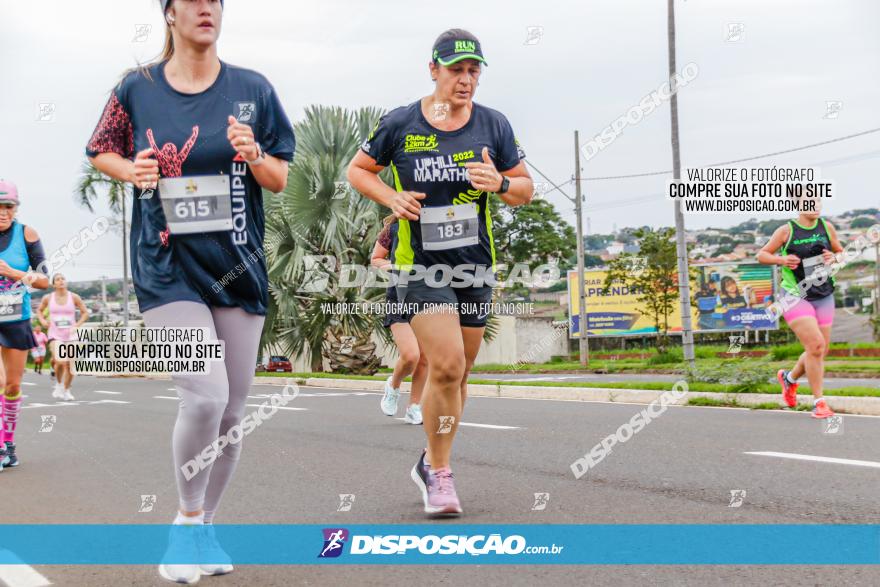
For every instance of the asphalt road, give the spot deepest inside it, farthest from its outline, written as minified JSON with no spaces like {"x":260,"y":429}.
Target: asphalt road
{"x":113,"y":445}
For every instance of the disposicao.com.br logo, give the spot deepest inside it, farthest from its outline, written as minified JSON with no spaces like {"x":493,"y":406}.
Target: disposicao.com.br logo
{"x":431,"y":544}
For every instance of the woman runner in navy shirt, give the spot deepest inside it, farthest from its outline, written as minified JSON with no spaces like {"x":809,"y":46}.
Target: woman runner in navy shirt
{"x":199,"y":139}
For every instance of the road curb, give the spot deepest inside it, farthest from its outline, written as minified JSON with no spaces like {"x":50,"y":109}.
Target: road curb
{"x":868,"y":406}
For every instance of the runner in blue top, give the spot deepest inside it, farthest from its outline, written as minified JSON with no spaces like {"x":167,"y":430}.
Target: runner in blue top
{"x":449,"y":155}
{"x":199,"y":139}
{"x":20,"y":252}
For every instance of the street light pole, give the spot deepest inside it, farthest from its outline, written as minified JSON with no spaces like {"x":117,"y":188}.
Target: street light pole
{"x":876,"y":307}
{"x":684,"y":286}
{"x":124,"y":263}
{"x":583,"y":343}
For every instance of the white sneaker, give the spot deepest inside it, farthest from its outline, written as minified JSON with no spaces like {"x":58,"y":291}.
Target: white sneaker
{"x":186,"y":574}
{"x":389,"y":400}
{"x":413,"y":414}
{"x":182,"y":545}
{"x":58,"y":391}
{"x":68,"y":397}
{"x":213,"y":560}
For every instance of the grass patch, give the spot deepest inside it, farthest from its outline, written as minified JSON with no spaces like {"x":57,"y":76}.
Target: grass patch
{"x":322,"y":376}
{"x":768,"y":388}
{"x":712,"y":402}
{"x":732,"y":403}
{"x":672,"y":356}
{"x":766,"y":406}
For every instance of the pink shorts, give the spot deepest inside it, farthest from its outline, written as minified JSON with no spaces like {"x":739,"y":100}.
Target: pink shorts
{"x":822,"y":309}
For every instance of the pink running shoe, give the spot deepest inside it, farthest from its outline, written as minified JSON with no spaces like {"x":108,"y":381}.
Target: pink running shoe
{"x":821,"y":410}
{"x":789,"y":390}
{"x":438,"y":489}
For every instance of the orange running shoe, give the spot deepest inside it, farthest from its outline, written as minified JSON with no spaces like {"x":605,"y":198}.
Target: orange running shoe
{"x":789,"y":390}
{"x":821,"y":410}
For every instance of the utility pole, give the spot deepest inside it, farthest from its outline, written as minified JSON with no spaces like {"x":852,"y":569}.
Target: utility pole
{"x":124,"y":263}
{"x":876,"y":307}
{"x":684,"y":286}
{"x":584,"y":346}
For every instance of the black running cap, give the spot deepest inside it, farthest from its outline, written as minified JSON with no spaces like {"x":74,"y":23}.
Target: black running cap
{"x":454,"y":50}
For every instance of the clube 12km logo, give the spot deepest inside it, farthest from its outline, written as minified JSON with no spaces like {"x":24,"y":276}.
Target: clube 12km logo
{"x":335,"y":540}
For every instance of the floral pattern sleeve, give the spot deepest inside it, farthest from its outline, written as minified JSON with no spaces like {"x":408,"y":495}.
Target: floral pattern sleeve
{"x":114,"y":131}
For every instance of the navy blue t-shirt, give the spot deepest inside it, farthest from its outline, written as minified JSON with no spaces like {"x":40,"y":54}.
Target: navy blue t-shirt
{"x":429,"y":160}
{"x":225,"y":268}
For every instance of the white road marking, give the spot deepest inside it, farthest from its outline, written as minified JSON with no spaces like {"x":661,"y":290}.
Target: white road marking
{"x":320,"y":394}
{"x":20,"y":575}
{"x":248,"y":405}
{"x":279,"y":407}
{"x":55,"y":405}
{"x":490,"y":426}
{"x":540,"y":378}
{"x":800,"y":457}
{"x":171,"y":389}
{"x":108,"y":392}
{"x":27,"y":383}
{"x":73,"y":403}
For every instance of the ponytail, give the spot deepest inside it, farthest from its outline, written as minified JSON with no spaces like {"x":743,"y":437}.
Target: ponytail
{"x":167,"y":53}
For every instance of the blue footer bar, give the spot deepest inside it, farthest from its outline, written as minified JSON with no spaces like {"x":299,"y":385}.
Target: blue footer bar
{"x":271,"y":544}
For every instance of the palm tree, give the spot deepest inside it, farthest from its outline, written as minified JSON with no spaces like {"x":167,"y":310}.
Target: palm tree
{"x":319,"y":218}
{"x":88,"y":184}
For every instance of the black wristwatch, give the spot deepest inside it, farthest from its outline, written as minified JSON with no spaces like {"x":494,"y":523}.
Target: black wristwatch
{"x":505,"y":185}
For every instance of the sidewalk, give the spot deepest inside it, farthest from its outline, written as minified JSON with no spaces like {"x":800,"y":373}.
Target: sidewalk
{"x":868,"y":406}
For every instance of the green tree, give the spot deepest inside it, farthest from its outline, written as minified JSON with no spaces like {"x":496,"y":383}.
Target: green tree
{"x":768,"y":227}
{"x":595,"y":242}
{"x":652,"y":273}
{"x":89,"y":186}
{"x":707,"y":239}
{"x":590,"y":261}
{"x":863,"y":222}
{"x":533,"y":234}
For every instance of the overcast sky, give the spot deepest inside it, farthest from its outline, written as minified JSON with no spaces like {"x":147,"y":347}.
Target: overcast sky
{"x":765,"y":92}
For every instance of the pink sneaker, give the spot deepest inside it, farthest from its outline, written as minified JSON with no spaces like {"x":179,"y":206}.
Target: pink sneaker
{"x":789,"y":390}
{"x":821,"y":410}
{"x":438,"y":489}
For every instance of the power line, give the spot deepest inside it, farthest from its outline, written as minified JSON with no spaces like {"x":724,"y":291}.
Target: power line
{"x":555,"y":187}
{"x":622,"y":203}
{"x":793,"y":150}
{"x":654,"y":173}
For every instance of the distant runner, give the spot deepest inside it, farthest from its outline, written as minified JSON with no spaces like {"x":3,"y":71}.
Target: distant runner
{"x":411,"y":360}
{"x":39,"y":351}
{"x":805,"y":245}
{"x":62,"y":324}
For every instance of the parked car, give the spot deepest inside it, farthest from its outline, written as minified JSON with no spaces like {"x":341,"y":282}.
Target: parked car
{"x":279,"y":364}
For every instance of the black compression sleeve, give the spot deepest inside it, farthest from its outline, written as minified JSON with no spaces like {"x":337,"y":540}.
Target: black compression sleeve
{"x":36,"y":256}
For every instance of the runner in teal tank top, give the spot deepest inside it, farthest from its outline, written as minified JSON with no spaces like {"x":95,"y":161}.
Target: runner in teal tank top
{"x":20,"y":252}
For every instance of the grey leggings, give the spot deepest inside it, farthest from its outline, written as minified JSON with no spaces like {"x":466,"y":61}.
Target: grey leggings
{"x":210,"y":404}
